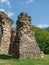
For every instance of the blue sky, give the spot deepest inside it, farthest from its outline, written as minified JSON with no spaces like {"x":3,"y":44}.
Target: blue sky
{"x":37,"y":9}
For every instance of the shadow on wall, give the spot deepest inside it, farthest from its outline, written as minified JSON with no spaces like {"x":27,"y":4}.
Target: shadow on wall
{"x":11,"y":46}
{"x":1,"y":30}
{"x":17,"y":40}
{"x":14,"y":44}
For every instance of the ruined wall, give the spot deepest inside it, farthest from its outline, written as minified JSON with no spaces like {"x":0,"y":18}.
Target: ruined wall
{"x":25,"y":43}
{"x":5,"y":40}
{"x":21,"y":44}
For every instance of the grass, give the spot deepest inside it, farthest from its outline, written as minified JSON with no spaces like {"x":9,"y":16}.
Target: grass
{"x":8,"y":60}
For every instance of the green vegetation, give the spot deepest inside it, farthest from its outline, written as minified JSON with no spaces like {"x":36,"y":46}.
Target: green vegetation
{"x":42,"y":38}
{"x":47,"y":29}
{"x":8,"y":60}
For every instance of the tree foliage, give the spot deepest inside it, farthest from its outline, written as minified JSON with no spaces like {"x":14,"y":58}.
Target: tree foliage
{"x":42,"y":38}
{"x":47,"y":29}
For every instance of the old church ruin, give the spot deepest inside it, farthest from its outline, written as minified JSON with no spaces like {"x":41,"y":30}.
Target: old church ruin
{"x":23,"y":43}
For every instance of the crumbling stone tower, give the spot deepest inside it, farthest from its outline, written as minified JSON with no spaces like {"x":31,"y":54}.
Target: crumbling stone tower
{"x":5,"y":35}
{"x":25,"y":43}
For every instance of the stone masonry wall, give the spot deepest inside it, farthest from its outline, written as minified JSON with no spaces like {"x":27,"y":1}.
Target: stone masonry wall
{"x":25,"y":43}
{"x":7,"y":26}
{"x":21,"y":44}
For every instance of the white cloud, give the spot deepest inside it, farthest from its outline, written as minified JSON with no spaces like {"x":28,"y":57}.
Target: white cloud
{"x":43,"y":25}
{"x":7,"y":2}
{"x":2,"y":10}
{"x":29,"y":1}
{"x":8,"y":13}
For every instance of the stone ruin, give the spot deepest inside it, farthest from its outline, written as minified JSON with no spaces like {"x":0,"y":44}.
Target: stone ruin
{"x":21,"y":44}
{"x":25,"y":43}
{"x":5,"y":33}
